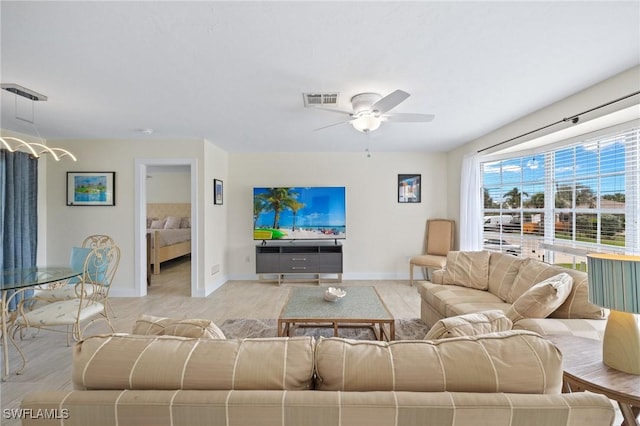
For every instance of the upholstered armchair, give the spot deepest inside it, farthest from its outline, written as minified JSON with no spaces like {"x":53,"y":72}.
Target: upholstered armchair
{"x":439,"y":240}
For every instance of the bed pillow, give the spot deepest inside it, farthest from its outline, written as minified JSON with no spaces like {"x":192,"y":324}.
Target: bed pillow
{"x":542,"y":299}
{"x":172,"y":222}
{"x":185,"y":222}
{"x":157,"y":224}
{"x":160,"y":326}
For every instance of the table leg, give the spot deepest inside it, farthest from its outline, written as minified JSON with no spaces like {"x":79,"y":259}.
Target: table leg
{"x":629,"y":414}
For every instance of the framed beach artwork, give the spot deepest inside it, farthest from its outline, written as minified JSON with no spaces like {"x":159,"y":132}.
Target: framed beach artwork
{"x":409,"y":188}
{"x":217,"y":191}
{"x":91,"y":188}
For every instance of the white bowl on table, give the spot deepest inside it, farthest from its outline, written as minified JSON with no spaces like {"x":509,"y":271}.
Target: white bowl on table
{"x":333,"y":294}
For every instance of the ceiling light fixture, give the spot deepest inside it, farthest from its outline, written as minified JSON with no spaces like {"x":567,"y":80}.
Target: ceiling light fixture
{"x":366,"y":122}
{"x":36,"y":149}
{"x":33,"y":147}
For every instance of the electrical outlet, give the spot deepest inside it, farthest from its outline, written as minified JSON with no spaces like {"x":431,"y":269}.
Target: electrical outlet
{"x":215,"y":269}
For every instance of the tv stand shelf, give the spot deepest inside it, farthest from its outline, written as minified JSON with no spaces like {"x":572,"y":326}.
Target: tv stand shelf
{"x":315,"y":258}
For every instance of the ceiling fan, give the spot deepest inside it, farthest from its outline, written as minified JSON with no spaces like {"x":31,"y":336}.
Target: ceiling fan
{"x":371,"y":109}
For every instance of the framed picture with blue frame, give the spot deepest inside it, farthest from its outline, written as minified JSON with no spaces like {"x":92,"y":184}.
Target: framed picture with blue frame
{"x":91,"y":188}
{"x":409,"y":188}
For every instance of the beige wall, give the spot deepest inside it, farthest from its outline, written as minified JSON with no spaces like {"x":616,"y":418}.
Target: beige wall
{"x":381,"y":233}
{"x":169,"y":184}
{"x":67,"y":226}
{"x":215,"y":235}
{"x":618,"y":86}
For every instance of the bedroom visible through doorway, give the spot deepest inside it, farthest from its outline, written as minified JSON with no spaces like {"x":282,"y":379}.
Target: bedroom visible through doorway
{"x":168,"y":204}
{"x":166,"y":210}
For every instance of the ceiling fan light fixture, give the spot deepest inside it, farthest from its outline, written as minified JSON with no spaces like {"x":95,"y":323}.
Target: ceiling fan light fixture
{"x":366,"y":123}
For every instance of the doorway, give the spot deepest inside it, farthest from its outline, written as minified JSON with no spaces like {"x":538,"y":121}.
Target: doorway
{"x":142,"y":170}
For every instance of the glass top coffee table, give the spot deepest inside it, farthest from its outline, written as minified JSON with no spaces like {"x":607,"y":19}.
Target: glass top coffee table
{"x":361,"y":307}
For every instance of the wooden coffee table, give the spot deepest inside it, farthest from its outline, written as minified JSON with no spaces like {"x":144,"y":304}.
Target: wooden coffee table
{"x":361,"y":307}
{"x":585,"y":371}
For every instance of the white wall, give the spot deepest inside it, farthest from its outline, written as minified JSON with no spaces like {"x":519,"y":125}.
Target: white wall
{"x":618,"y":86}
{"x":215,"y":264}
{"x":168,"y":184}
{"x":381,"y":233}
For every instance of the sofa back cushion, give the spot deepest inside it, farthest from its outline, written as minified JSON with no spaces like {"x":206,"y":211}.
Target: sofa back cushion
{"x":503,"y":270}
{"x":170,"y":362}
{"x":575,"y":306}
{"x":468,"y":269}
{"x":509,"y":361}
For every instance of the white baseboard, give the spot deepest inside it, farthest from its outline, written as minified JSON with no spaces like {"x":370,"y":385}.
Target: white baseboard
{"x":345,"y":277}
{"x":123,"y":292}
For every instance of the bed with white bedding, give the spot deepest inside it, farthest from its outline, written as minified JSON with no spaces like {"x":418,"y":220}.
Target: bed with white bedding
{"x":168,"y":233}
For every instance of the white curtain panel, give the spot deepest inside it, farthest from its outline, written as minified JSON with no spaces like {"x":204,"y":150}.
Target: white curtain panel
{"x":470,"y":204}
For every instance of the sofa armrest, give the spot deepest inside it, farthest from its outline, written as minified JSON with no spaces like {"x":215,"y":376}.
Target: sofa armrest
{"x":437,"y":276}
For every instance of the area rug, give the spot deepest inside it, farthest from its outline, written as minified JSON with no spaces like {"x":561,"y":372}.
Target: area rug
{"x":406,"y":329}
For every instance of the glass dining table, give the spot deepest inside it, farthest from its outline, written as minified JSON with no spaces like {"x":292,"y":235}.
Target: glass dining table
{"x":19,"y":278}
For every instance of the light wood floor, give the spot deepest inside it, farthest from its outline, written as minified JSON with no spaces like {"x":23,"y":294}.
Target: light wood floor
{"x":49,"y":359}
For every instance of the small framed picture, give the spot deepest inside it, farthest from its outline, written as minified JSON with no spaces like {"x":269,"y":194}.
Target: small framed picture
{"x":409,"y":188}
{"x":217,"y":191}
{"x":91,"y":188}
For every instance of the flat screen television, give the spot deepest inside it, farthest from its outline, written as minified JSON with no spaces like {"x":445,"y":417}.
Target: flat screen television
{"x":299,"y":213}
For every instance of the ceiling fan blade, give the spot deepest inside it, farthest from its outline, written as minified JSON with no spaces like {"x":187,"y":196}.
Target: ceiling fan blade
{"x":408,"y":118}
{"x":334,"y":124}
{"x":390,"y":101}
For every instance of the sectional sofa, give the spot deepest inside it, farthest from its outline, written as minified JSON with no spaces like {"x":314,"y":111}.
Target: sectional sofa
{"x":536,"y":296}
{"x":129,"y":380}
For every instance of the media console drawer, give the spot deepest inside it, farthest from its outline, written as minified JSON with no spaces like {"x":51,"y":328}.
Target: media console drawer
{"x":303,"y":262}
{"x":288,"y":258}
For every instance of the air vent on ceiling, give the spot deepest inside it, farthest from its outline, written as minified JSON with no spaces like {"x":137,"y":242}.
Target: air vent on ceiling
{"x":23,"y":91}
{"x":320,"y":99}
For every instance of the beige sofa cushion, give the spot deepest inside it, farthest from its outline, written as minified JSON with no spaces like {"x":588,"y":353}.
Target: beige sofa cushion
{"x":160,"y":326}
{"x":304,"y":408}
{"x":452,"y":300}
{"x":588,"y":328}
{"x":470,"y":325}
{"x":503,"y":270}
{"x":541,"y":299}
{"x":169,"y":362}
{"x":577,"y":304}
{"x":468,"y":269}
{"x":510,"y":361}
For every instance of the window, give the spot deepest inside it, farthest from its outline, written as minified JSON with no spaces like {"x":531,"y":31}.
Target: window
{"x":560,"y":204}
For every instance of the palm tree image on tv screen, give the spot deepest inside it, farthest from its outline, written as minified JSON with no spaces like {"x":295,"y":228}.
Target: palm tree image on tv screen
{"x":299,"y":213}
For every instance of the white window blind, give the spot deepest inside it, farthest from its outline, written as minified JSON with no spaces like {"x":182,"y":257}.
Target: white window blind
{"x":573,"y":199}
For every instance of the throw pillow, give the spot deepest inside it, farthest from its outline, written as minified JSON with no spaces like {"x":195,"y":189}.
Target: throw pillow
{"x":200,"y":328}
{"x":185,"y":222}
{"x":541,"y":299}
{"x":467,"y":269}
{"x":157,"y":224}
{"x":172,"y":222}
{"x":469,"y":325}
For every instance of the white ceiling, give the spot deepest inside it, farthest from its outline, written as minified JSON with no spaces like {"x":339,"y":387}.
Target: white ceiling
{"x":234,"y":72}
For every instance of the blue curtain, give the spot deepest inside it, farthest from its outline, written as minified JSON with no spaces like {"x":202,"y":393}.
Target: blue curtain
{"x":18,"y":211}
